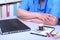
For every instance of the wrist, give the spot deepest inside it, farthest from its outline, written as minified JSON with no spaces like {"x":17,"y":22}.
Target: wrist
{"x":34,"y":15}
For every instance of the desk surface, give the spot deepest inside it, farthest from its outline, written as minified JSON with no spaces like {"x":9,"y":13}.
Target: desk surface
{"x":27,"y":35}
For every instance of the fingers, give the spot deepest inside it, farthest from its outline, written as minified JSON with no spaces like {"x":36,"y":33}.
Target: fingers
{"x":53,"y":21}
{"x":45,"y":18}
{"x":49,"y":19}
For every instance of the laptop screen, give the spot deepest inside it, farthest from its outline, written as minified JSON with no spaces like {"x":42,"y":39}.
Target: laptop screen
{"x":12,"y":25}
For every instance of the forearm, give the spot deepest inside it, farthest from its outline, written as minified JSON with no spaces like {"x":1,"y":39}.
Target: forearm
{"x":35,"y":21}
{"x":25,"y":14}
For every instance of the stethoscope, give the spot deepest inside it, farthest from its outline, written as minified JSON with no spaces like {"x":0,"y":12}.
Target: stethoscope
{"x":45,"y":5}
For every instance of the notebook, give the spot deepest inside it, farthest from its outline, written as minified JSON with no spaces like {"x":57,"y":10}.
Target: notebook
{"x":12,"y":26}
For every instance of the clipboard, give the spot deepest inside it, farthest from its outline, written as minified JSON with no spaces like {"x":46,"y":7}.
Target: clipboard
{"x":47,"y":29}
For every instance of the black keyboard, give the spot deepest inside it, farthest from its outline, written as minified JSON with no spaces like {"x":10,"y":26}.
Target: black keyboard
{"x":12,"y":26}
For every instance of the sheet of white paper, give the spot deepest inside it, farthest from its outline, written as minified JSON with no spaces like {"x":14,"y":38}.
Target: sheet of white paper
{"x":46,"y":30}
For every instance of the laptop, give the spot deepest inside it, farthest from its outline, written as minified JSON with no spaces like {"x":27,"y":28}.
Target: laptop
{"x":10,"y":26}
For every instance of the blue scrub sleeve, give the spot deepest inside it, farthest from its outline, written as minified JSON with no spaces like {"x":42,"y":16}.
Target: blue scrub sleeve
{"x":24,"y":5}
{"x":56,"y":8}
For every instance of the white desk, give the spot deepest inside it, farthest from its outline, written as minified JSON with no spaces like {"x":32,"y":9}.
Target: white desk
{"x":27,"y":35}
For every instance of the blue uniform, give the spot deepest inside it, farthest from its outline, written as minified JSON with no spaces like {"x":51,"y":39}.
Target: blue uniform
{"x":49,"y":6}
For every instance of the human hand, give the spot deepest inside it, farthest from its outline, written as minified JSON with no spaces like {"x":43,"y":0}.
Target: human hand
{"x":53,"y":20}
{"x":45,"y":18}
{"x":40,"y":18}
{"x":48,"y":19}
